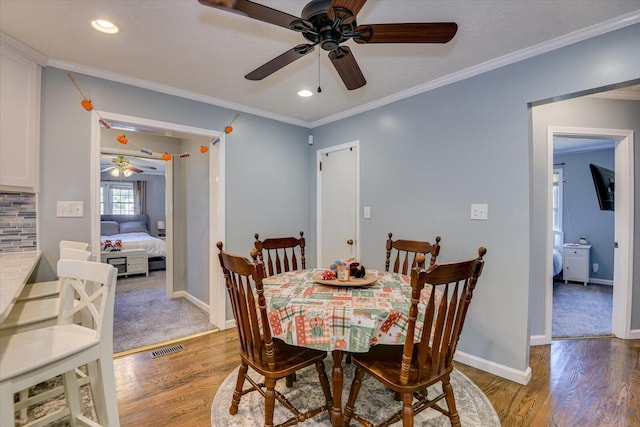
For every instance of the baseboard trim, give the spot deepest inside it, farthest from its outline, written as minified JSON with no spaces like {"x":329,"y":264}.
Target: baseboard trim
{"x":520,"y":377}
{"x":539,"y":340}
{"x":634,"y":334}
{"x":163,"y":343}
{"x":230,"y":324}
{"x":186,"y":295}
{"x":596,"y":281}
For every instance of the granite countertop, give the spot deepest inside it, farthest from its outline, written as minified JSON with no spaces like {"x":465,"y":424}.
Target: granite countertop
{"x":15,"y":269}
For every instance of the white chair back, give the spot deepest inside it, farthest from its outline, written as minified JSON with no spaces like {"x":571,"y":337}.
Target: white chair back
{"x":74,"y":245}
{"x":88,"y":288}
{"x":76,"y":254}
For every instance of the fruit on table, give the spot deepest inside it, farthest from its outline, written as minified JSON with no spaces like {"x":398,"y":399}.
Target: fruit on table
{"x":328,"y":275}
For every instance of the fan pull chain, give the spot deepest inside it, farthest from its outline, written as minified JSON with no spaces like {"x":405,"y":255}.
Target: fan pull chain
{"x":319,"y":88}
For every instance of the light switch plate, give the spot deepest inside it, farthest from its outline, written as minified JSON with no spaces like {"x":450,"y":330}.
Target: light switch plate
{"x":367,"y":212}
{"x":69,"y":209}
{"x":480,"y":211}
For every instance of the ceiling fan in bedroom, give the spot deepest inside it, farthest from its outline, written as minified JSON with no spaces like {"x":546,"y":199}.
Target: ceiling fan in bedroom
{"x":329,"y":23}
{"x":122,"y":167}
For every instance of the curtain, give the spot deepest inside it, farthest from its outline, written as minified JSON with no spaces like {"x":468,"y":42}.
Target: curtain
{"x":140,"y":196}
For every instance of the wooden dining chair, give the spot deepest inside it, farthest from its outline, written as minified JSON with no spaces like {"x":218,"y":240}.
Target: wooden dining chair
{"x":409,"y":249}
{"x":281,"y":253}
{"x":271,"y":358}
{"x":410,"y":369}
{"x":31,"y":357}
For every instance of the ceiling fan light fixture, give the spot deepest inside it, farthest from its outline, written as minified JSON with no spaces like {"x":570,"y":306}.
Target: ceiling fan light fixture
{"x":104,"y":26}
{"x":305,"y":93}
{"x":127,"y":173}
{"x":115,"y":172}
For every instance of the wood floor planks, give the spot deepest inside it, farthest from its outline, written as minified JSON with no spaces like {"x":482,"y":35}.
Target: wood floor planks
{"x":586,"y":382}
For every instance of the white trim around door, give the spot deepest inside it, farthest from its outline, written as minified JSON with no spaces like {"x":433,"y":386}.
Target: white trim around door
{"x":216,"y":303}
{"x":624,"y":226}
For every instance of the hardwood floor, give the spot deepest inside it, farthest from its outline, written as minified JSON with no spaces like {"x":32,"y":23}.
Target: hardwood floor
{"x":587,"y":382}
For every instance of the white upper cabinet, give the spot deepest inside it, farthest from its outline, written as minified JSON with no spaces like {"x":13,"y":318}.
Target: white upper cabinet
{"x":19,"y":119}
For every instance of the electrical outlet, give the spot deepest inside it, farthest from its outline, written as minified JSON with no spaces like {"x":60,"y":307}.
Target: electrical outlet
{"x":480,"y":211}
{"x":367,"y":212}
{"x":595,"y":267}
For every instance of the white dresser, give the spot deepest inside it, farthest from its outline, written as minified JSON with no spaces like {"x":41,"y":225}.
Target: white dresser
{"x":127,"y":261}
{"x":576,"y":262}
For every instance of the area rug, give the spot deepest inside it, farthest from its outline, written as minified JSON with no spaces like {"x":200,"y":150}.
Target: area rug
{"x":51,"y":405}
{"x":143,"y":315}
{"x":375,"y":402}
{"x":581,"y":311}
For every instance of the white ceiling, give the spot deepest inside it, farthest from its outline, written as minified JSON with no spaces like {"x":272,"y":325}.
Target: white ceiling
{"x":572,"y":144}
{"x":184,"y":48}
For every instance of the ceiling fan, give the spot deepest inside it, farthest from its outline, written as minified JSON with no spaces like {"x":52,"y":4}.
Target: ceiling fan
{"x":122,"y":167}
{"x":329,"y":23}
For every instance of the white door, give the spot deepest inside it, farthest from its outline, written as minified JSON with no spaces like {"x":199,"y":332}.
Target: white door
{"x":338,"y":201}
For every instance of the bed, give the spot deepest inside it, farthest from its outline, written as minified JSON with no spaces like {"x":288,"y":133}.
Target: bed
{"x":558,"y":240}
{"x":133,"y":233}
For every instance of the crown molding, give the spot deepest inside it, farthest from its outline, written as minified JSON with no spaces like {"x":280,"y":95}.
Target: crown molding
{"x":169,"y":90}
{"x":530,"y":52}
{"x":17,"y":46}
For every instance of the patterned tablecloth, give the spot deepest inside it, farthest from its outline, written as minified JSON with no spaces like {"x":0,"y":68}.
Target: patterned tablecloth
{"x":309,"y":314}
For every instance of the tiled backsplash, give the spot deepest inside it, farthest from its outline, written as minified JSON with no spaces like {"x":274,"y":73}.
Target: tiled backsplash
{"x":17,"y":222}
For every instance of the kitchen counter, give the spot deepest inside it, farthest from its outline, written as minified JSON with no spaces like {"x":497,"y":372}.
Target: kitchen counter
{"x":15,"y":270}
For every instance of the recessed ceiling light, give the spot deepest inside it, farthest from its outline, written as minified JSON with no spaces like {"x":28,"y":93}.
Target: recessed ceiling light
{"x":104,"y":26}
{"x":305,"y":93}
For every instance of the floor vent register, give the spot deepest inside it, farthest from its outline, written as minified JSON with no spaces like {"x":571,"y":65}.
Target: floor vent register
{"x":166,"y":350}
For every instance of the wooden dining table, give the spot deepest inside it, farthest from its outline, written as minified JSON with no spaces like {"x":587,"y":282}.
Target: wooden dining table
{"x":340,"y":317}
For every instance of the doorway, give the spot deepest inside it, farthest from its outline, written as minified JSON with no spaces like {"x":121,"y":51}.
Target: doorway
{"x":215,"y":303}
{"x":338,"y":195}
{"x":623,"y":235}
{"x":583,"y":253}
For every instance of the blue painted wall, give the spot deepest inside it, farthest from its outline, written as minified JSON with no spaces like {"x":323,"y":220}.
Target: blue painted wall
{"x":426,"y":159}
{"x":267,"y":180}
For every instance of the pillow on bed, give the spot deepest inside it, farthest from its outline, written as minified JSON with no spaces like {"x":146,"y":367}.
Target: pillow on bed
{"x":109,"y":228}
{"x":133,"y":227}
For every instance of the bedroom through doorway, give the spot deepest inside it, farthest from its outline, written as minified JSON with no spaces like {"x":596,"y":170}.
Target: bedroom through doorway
{"x":582,"y":304}
{"x":167,"y":303}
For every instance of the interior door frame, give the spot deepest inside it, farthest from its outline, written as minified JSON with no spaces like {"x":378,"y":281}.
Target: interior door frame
{"x":624,"y":217}
{"x":319,"y":154}
{"x":216,"y":304}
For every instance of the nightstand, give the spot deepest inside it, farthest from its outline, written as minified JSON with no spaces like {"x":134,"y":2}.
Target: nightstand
{"x":576,"y":262}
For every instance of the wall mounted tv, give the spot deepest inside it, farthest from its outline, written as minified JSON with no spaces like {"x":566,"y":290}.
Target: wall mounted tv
{"x":603,"y":180}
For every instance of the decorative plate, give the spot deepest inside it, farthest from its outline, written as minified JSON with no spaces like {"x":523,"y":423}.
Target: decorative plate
{"x":363,"y":281}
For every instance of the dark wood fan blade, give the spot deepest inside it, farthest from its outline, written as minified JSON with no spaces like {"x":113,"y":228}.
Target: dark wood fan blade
{"x":253,"y":10}
{"x":280,"y":61}
{"x":134,"y":169}
{"x":346,"y":65}
{"x":353,"y":6}
{"x":145,"y":167}
{"x":437,"y":32}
